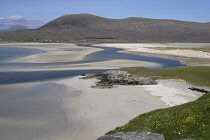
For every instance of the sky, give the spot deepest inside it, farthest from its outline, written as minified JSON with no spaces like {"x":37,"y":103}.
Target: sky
{"x":47,"y":10}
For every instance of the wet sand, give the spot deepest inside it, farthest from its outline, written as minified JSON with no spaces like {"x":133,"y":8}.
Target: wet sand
{"x":110,"y":64}
{"x":32,"y":111}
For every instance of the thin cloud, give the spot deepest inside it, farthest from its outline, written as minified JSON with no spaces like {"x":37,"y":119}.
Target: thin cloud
{"x":16,"y":17}
{"x":10,"y":21}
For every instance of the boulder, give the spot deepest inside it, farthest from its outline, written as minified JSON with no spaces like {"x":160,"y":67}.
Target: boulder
{"x":136,"y":135}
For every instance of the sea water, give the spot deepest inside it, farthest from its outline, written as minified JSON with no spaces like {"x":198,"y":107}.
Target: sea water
{"x":11,"y":77}
{"x":11,"y":53}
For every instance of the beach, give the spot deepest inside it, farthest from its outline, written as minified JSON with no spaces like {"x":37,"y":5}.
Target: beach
{"x":148,"y":48}
{"x":187,"y":56}
{"x":69,"y":108}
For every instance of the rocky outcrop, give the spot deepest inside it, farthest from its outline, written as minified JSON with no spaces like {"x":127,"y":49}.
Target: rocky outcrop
{"x":118,"y":77}
{"x":136,"y":135}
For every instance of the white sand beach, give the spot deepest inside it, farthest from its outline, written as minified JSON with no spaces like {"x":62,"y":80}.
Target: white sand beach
{"x":96,"y":111}
{"x":54,"y":52}
{"x":173,"y":92}
{"x":69,"y":109}
{"x":147,"y":48}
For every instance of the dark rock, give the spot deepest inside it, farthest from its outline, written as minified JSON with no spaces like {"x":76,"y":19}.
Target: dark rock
{"x":199,"y":90}
{"x":118,"y":77}
{"x":136,"y":135}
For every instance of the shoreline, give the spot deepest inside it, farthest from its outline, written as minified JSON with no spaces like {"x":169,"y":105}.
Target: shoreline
{"x":62,"y":52}
{"x":69,"y":108}
{"x":83,"y":112}
{"x":178,"y":89}
{"x":27,"y":52}
{"x":91,"y":112}
{"x":111,"y":64}
{"x":146,"y":49}
{"x":96,"y":111}
{"x":68,"y":52}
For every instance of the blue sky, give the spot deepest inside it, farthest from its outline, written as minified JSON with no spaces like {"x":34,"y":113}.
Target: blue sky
{"x":46,"y":10}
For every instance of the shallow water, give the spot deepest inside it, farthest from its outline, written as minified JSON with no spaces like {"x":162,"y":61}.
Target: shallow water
{"x":11,"y":53}
{"x":32,"y":113}
{"x":35,"y":76}
{"x":107,"y":53}
{"x":114,"y":53}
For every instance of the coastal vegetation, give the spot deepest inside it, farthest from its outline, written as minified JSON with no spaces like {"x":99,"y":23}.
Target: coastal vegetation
{"x":190,"y":120}
{"x":198,"y":75}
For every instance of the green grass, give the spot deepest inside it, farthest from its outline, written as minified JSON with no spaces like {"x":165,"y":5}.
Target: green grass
{"x":206,"y":49}
{"x":195,"y":75}
{"x":190,"y":120}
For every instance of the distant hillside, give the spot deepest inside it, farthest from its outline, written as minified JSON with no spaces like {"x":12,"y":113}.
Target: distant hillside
{"x":208,"y":23}
{"x":14,"y":28}
{"x":90,"y":27}
{"x":6,"y":23}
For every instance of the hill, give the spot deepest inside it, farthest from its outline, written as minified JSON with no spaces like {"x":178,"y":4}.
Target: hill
{"x":14,"y":28}
{"x":133,"y":29}
{"x":6,"y":23}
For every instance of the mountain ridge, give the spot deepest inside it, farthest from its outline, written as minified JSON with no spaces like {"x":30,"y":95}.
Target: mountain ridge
{"x":132,"y":29}
{"x":14,"y":28}
{"x":6,"y":23}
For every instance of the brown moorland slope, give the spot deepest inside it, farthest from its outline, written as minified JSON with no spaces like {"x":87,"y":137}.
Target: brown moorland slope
{"x":133,"y":29}
{"x":14,"y":28}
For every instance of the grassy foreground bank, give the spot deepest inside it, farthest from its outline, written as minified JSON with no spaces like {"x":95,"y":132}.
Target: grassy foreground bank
{"x":190,"y":120}
{"x":195,"y":75}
